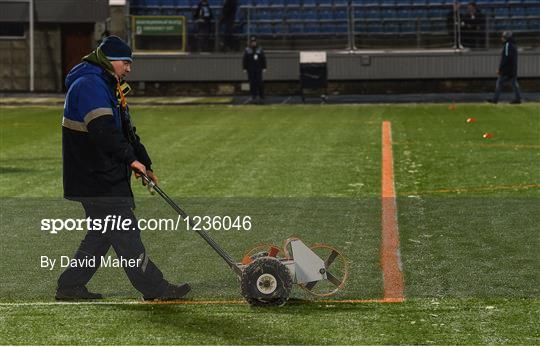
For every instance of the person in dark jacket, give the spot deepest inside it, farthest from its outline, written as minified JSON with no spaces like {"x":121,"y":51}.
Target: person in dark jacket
{"x":254,"y":63}
{"x":100,"y":148}
{"x":228,"y":15}
{"x":473,"y":27}
{"x":507,"y":71}
{"x":203,"y":19}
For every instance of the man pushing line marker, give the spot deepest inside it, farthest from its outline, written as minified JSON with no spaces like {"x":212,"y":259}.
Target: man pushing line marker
{"x":100,"y":148}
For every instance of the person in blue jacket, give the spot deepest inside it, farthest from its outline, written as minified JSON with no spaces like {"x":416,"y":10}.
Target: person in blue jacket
{"x":100,"y":149}
{"x":507,"y":71}
{"x":254,"y":63}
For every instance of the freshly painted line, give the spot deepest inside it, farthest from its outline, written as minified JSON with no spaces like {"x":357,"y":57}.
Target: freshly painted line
{"x":185,"y":302}
{"x":67,"y":303}
{"x":362,"y":301}
{"x":195,"y":302}
{"x":390,"y":254}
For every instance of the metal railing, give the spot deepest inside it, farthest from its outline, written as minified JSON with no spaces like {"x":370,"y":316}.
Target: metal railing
{"x":367,"y":26}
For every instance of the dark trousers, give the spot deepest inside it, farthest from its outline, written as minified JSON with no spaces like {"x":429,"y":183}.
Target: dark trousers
{"x":146,"y":277}
{"x":256,"y":84}
{"x":203,"y":36}
{"x":501,"y":81}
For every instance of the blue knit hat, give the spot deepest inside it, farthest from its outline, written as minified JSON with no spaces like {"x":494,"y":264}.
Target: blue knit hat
{"x":116,"y":49}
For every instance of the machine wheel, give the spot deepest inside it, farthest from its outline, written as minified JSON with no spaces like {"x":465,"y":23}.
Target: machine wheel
{"x":266,"y":282}
{"x":261,"y":250}
{"x":337,"y":271}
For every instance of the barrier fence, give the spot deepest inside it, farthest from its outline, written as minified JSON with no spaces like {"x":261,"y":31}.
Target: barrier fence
{"x":350,"y":26}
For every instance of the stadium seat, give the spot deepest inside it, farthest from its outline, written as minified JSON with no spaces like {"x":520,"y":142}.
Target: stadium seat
{"x":310,"y":2}
{"x":325,"y":14}
{"x":340,"y":13}
{"x":295,"y":3}
{"x":295,"y":28}
{"x":292,"y":14}
{"x":341,"y":28}
{"x":265,"y":28}
{"x":407,"y":27}
{"x":311,"y":27}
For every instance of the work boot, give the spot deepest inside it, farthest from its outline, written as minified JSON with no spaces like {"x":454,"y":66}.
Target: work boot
{"x":516,"y":101}
{"x":491,"y":101}
{"x":76,"y":293}
{"x":172,"y":292}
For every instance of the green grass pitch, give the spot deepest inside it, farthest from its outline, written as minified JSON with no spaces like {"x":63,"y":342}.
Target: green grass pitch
{"x":467,"y":213}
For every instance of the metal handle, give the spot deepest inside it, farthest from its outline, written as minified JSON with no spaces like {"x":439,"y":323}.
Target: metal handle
{"x":228,"y":259}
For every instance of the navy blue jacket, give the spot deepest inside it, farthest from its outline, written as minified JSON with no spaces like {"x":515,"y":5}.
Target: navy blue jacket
{"x":96,"y":152}
{"x":509,"y":59}
{"x":254,"y":59}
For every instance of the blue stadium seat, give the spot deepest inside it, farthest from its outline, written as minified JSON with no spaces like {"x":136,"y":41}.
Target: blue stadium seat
{"x":437,"y":12}
{"x":389,"y":13}
{"x":292,"y":3}
{"x":407,"y":27}
{"x":292,"y":13}
{"x":325,"y":13}
{"x":295,"y":28}
{"x":328,"y":28}
{"x":340,"y":13}
{"x":310,"y":2}
{"x":501,"y":12}
{"x":309,"y":14}
{"x":391,"y":27}
{"x":264,"y":28}
{"x":341,"y":28}
{"x":311,"y":27}
{"x":372,"y":13}
{"x":420,"y":13}
{"x":405,"y":13}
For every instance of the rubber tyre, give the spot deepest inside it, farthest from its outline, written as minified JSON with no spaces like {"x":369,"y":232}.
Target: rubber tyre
{"x":276,"y":270}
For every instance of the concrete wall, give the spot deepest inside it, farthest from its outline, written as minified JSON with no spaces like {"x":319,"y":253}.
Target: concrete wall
{"x":56,"y":11}
{"x":15,"y":55}
{"x":117,"y":23}
{"x":341,"y":66}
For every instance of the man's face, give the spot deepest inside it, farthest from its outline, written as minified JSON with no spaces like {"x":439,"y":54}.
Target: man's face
{"x":121,"y":68}
{"x":253,"y":44}
{"x":472,"y":9}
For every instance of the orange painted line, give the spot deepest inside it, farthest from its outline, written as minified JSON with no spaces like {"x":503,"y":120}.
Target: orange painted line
{"x":242,"y":302}
{"x":390,"y":255}
{"x":195,"y":302}
{"x":363,"y":301}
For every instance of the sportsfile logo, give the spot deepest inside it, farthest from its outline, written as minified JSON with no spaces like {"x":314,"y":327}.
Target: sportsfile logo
{"x":119,"y":223}
{"x":110,"y":222}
